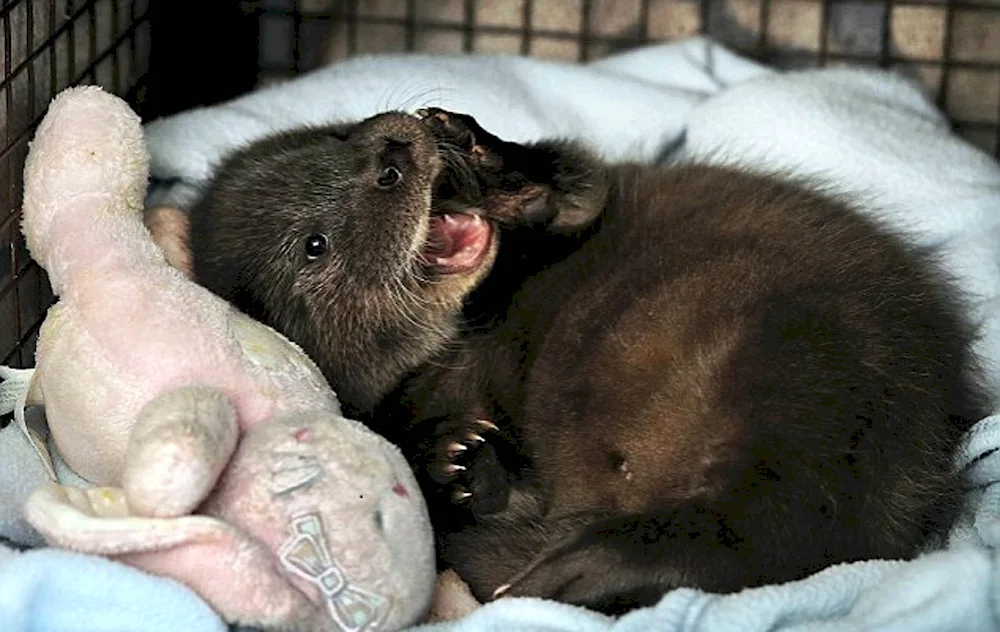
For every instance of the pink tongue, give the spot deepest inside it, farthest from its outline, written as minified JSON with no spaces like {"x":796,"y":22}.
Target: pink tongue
{"x":457,"y":242}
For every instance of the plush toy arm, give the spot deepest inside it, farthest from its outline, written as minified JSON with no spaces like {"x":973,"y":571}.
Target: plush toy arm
{"x":181,"y":442}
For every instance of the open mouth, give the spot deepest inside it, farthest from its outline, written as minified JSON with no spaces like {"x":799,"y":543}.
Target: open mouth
{"x":457,"y":243}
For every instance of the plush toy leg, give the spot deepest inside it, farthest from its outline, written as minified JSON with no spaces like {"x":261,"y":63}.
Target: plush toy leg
{"x":181,"y":442}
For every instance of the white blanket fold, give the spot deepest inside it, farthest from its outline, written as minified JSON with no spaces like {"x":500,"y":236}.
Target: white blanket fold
{"x":630,"y":106}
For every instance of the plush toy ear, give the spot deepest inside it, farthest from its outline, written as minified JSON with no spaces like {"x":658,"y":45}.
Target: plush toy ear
{"x":171,"y":228}
{"x":230,"y":570}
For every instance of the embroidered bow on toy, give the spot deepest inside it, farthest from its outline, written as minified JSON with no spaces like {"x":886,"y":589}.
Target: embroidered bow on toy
{"x":305,"y":554}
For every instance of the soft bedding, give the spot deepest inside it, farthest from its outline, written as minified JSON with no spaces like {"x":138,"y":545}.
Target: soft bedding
{"x":869,"y":134}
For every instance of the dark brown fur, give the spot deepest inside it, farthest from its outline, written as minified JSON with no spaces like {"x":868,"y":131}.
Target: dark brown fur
{"x":699,"y":377}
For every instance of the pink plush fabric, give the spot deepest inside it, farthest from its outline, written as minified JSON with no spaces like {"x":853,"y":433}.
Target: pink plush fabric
{"x":218,"y":452}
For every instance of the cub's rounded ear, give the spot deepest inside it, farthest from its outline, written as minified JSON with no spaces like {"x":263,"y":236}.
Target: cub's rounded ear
{"x":576,"y":191}
{"x":527,"y":205}
{"x":171,"y":231}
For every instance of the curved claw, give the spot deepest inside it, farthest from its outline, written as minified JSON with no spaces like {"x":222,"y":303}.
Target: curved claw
{"x":488,"y":425}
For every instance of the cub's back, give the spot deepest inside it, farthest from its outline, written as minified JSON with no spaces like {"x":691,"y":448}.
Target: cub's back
{"x":726,"y":337}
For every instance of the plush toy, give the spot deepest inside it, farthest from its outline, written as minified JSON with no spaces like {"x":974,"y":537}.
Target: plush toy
{"x":217,"y":452}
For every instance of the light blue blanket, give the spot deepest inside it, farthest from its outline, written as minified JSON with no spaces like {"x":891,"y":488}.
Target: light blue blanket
{"x":868,"y":135}
{"x":45,"y":590}
{"x":950,"y":590}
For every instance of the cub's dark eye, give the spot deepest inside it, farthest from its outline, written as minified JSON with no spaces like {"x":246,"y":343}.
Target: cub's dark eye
{"x":389,"y":177}
{"x":316,"y":246}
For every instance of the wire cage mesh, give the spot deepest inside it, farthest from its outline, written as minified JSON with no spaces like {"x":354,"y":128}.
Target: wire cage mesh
{"x":952,"y":47}
{"x":164,"y":56}
{"x":48,"y":46}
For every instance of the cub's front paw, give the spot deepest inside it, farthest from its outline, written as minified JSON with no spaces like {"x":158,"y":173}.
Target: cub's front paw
{"x":463,"y":465}
{"x":461,"y":132}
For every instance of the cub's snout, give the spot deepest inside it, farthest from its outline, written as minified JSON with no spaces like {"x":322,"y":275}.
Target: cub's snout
{"x":404,"y":148}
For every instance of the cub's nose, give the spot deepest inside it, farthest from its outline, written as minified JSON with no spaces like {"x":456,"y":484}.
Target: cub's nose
{"x":402,"y":139}
{"x":398,"y":131}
